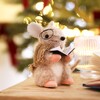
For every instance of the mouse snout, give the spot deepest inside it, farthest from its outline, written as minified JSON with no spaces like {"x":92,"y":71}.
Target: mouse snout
{"x":62,"y":38}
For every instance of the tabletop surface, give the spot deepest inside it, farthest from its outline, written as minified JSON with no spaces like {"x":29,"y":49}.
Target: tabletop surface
{"x":28,"y":91}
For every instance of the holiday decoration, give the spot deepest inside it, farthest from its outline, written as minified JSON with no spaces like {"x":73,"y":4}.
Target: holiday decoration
{"x":78,"y":16}
{"x":46,"y":2}
{"x":49,"y":69}
{"x":25,"y":3}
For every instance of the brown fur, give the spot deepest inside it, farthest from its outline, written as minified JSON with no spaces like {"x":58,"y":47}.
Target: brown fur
{"x":42,"y":66}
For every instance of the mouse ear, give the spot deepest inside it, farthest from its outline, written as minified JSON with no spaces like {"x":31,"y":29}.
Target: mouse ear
{"x":34,"y":29}
{"x":51,"y":24}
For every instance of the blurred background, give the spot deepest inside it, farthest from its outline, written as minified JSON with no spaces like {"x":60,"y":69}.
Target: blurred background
{"x":75,"y":18}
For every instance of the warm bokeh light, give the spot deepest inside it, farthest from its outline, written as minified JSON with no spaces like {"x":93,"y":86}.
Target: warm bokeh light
{"x":27,"y":20}
{"x":18,"y":39}
{"x":47,"y":9}
{"x":27,"y":52}
{"x":71,"y":32}
{"x":8,"y":12}
{"x":39,"y":19}
{"x":77,"y":32}
{"x":70,"y":6}
{"x":87,"y":33}
{"x":3,"y":45}
{"x":39,"y":6}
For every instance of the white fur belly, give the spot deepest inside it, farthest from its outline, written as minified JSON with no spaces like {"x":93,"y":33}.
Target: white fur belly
{"x":57,"y":69}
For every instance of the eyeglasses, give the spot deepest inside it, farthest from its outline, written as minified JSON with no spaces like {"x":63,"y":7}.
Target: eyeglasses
{"x":47,"y":34}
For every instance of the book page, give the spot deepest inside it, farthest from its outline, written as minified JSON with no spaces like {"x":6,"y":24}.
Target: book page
{"x":66,"y":51}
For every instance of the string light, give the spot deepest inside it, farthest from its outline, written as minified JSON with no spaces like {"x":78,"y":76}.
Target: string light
{"x":52,"y":14}
{"x":39,"y":6}
{"x":39,"y":19}
{"x":52,"y":2}
{"x":27,"y":20}
{"x":70,"y":6}
{"x":47,"y":9}
{"x":77,"y":14}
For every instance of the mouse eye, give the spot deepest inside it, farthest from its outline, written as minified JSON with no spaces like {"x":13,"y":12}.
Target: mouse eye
{"x":47,"y":34}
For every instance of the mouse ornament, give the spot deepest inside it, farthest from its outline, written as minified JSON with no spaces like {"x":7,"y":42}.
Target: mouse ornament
{"x":49,"y":70}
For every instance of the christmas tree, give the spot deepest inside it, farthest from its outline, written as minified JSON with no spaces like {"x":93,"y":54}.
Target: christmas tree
{"x":73,"y":14}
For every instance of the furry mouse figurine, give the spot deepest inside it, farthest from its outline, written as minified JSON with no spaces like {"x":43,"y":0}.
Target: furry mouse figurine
{"x":49,"y":70}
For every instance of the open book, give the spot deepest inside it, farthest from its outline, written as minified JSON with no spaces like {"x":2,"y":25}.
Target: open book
{"x":94,"y":84}
{"x":64,"y":52}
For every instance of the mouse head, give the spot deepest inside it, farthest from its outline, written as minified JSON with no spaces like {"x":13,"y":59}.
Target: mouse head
{"x":48,"y":35}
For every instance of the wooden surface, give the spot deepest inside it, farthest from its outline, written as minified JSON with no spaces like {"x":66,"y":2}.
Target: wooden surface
{"x":28,"y":91}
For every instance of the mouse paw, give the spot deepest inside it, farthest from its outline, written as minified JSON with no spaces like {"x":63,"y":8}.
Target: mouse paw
{"x":52,"y":84}
{"x":68,"y":81}
{"x":55,"y":58}
{"x":67,"y":59}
